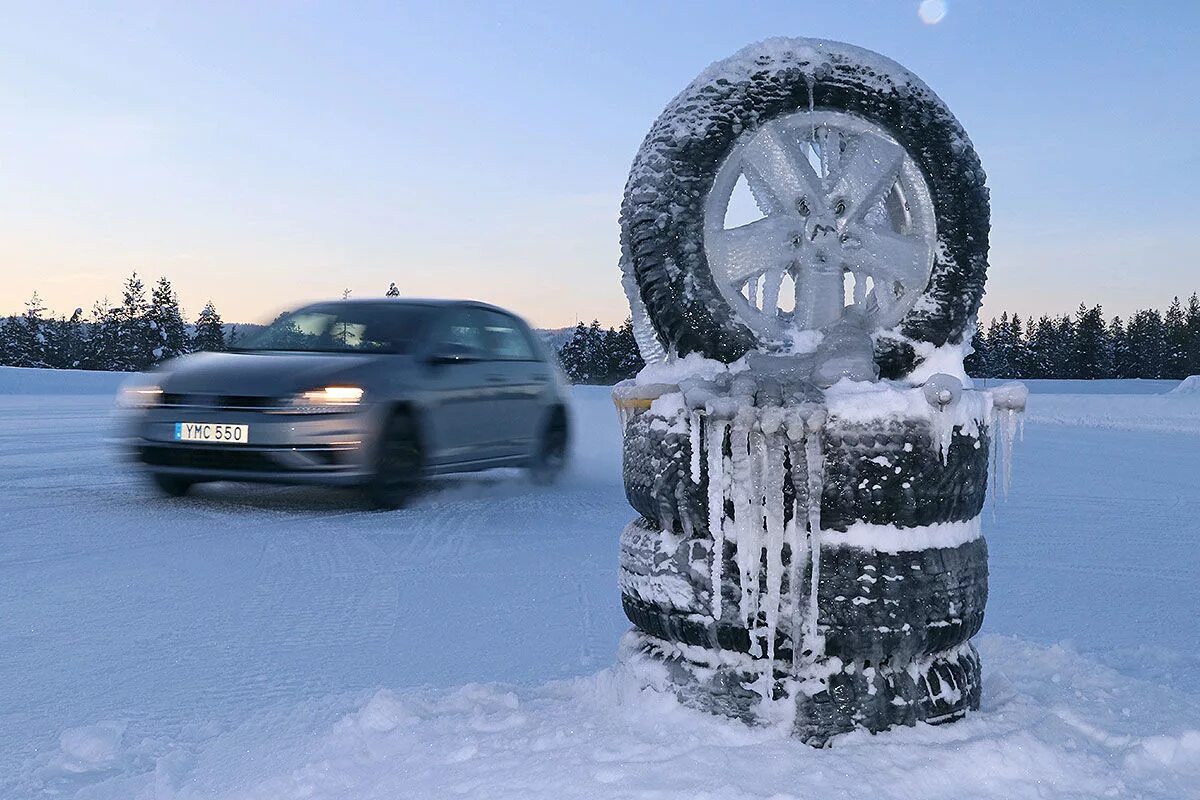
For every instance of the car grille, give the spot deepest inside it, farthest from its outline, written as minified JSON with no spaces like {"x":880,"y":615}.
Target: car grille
{"x":227,"y":459}
{"x":220,"y":402}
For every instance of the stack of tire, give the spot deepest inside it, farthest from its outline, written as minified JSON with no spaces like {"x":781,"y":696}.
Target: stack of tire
{"x":895,"y":621}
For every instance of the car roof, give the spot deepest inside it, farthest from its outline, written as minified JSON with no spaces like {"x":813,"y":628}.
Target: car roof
{"x":428,"y":302}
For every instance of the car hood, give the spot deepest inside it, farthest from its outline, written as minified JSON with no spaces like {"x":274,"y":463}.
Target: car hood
{"x":263,"y":374}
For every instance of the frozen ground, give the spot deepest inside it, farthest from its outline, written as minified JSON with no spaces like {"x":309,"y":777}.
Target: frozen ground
{"x":275,"y":643}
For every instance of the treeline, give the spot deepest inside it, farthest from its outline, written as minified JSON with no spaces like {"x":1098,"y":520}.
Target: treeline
{"x":1149,"y":344}
{"x":134,"y":334}
{"x":129,"y":336}
{"x":600,"y":356}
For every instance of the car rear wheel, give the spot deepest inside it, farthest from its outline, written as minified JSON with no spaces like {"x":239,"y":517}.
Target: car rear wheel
{"x":398,"y":464}
{"x":551,"y":457}
{"x":171,"y":485}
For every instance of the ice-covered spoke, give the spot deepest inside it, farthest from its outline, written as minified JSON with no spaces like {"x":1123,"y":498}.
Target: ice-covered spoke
{"x":772,"y":282}
{"x":869,"y":169}
{"x":888,"y":256}
{"x":737,"y":254}
{"x":829,"y":141}
{"x":765,"y":198}
{"x":777,"y":162}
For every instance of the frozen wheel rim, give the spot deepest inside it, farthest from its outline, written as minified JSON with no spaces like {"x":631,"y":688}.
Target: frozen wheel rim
{"x":838,"y":214}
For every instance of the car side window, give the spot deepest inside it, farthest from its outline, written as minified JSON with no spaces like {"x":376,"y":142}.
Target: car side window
{"x":505,"y":339}
{"x":461,"y":334}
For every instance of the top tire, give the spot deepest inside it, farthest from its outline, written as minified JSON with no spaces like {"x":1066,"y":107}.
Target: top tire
{"x":858,"y":169}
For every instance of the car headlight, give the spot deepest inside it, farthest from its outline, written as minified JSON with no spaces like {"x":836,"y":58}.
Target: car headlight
{"x":330,"y":399}
{"x":139,"y":396}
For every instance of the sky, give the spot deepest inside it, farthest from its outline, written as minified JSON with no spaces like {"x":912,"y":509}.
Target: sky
{"x":264,"y":154}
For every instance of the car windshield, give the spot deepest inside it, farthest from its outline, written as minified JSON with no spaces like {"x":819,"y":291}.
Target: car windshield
{"x":342,"y":328}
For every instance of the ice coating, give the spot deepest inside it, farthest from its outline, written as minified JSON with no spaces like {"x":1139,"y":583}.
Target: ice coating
{"x":856,"y":164}
{"x":744,"y":427}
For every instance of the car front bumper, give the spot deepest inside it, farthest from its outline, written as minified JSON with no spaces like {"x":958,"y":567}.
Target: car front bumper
{"x":328,"y":449}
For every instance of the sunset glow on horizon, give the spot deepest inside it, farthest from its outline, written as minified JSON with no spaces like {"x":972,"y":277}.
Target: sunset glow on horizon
{"x":265,"y":155}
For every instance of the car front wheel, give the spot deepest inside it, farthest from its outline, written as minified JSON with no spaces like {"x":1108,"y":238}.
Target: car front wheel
{"x":398,"y":464}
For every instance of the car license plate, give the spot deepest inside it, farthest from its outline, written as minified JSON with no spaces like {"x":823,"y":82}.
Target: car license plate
{"x":214,"y":432}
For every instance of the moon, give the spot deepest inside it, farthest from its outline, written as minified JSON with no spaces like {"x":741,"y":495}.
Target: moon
{"x":931,"y":12}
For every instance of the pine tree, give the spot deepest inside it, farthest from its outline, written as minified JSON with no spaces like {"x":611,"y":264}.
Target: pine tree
{"x":65,"y":342}
{"x":1043,"y":346}
{"x":136,"y":340}
{"x":1064,"y":347}
{"x":998,"y":346}
{"x":25,"y":337}
{"x":1192,"y":324}
{"x":166,"y":322}
{"x":622,"y":357}
{"x":1147,"y":337}
{"x":582,"y":356}
{"x":1090,"y":348}
{"x":1018,"y":359}
{"x":1005,"y":348}
{"x":101,"y":344}
{"x":210,"y":332}
{"x":1175,"y":361}
{"x":1122,"y":359}
{"x":392,"y":291}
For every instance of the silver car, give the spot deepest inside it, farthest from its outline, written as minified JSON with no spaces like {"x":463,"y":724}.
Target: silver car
{"x":368,"y":393}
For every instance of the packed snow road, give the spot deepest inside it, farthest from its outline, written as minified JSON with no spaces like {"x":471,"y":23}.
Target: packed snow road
{"x":276,"y":642}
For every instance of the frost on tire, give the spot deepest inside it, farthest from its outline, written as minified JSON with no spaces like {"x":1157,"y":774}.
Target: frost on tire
{"x":791,"y":180}
{"x":804,"y":246}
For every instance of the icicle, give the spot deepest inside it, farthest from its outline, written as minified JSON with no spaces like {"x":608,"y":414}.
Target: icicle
{"x":1008,"y":402}
{"x":748,"y":539}
{"x":943,"y":431}
{"x":943,"y":391}
{"x":771,"y":422}
{"x":694,"y":440}
{"x":815,"y":459}
{"x":811,"y":82}
{"x":794,"y":423}
{"x":715,"y":437}
{"x":1008,"y":435}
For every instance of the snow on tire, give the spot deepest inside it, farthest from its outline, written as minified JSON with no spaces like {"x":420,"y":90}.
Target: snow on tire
{"x":937,"y":688}
{"x":858,"y":168}
{"x":873,"y":605}
{"x":894,"y":471}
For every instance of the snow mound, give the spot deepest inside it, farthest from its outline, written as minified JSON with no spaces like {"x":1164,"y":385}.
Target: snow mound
{"x":1189,"y":385}
{"x":91,"y":747}
{"x":1053,"y":725}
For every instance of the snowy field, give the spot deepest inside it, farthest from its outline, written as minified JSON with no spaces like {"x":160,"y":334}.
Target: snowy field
{"x":255,"y":642}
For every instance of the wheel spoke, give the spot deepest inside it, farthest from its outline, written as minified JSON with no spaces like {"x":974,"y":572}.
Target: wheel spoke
{"x":737,"y":254}
{"x":772,"y":282}
{"x":869,"y":168}
{"x":777,"y":166}
{"x":830,"y":143}
{"x":888,"y":257}
{"x":820,"y":291}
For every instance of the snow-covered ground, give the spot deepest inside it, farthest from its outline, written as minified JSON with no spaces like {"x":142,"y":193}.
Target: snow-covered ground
{"x":272,"y":642}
